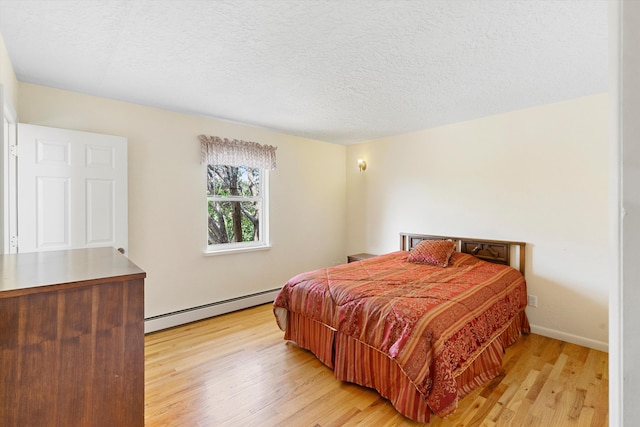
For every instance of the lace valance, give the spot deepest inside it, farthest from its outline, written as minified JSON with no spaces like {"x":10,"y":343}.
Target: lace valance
{"x":219,"y":151}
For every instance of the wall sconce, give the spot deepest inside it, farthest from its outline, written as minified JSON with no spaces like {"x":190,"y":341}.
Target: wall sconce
{"x":362,"y":165}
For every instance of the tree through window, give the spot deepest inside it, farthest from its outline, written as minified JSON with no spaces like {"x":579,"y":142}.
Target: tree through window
{"x":235,"y":204}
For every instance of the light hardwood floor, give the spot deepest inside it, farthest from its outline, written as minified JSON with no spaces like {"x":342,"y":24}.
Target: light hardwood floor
{"x":236,"y":370}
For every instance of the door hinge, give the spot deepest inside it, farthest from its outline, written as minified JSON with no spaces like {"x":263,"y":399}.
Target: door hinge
{"x":13,"y":150}
{"x":14,"y":242}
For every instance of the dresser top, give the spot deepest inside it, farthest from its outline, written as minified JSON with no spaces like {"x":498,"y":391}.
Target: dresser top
{"x":27,"y":272}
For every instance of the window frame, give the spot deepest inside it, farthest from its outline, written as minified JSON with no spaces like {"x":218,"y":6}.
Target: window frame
{"x":263,"y":231}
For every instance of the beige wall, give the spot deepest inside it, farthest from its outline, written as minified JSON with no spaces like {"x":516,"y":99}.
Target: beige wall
{"x":8,"y":77}
{"x":538,"y":175}
{"x":167,"y":205}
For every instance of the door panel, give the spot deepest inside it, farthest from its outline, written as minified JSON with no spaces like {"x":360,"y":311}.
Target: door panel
{"x":100,"y":210}
{"x":52,"y":213}
{"x":72,"y":189}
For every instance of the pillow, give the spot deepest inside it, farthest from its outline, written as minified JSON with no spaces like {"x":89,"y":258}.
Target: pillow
{"x":433,"y":252}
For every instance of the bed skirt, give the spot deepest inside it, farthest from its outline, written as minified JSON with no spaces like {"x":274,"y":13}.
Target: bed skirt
{"x":356,"y":362}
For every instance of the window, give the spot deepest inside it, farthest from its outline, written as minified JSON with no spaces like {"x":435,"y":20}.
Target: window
{"x":237,"y":193}
{"x":237,"y":207}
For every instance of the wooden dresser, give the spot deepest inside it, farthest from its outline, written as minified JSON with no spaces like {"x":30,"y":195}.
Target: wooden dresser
{"x":71,"y":339}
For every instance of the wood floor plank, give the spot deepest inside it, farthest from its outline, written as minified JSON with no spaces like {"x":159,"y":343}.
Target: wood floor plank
{"x":236,"y":369}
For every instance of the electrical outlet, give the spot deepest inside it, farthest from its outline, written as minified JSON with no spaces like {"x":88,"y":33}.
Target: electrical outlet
{"x":532,"y":301}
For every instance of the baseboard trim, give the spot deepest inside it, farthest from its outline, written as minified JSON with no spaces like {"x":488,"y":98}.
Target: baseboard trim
{"x":573,"y":339}
{"x":181,"y":317}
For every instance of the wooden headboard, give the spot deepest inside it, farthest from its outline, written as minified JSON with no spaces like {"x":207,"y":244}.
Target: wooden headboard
{"x":496,"y":251}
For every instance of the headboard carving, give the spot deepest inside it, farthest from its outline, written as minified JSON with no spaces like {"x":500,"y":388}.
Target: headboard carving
{"x":496,"y":251}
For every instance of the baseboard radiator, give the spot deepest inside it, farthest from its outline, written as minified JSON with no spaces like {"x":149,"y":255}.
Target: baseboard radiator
{"x":181,"y":317}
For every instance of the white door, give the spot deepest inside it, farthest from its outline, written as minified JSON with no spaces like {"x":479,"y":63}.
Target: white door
{"x":72,"y":189}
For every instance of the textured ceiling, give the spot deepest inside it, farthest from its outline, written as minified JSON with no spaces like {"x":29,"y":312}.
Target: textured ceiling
{"x":340,"y":71}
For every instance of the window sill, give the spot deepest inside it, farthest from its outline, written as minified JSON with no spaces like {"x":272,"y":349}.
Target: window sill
{"x":236,"y":250}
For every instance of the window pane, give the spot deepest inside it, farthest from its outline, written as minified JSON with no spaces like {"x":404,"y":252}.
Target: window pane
{"x":233,"y":222}
{"x":233,"y":181}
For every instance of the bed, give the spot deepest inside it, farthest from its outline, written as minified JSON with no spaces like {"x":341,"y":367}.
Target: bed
{"x":424,"y":325}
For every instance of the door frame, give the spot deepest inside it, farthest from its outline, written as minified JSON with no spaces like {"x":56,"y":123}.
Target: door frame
{"x":8,"y":176}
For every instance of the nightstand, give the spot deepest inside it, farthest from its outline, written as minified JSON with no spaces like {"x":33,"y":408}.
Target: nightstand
{"x":359,"y":257}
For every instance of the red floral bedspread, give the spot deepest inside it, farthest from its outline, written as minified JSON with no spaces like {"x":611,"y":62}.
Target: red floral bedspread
{"x":433,"y":321}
